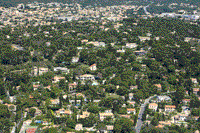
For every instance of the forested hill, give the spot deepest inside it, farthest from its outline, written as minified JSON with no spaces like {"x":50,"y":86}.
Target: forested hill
{"x":8,"y":3}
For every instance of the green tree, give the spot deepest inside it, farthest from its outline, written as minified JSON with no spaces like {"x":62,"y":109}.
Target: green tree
{"x":123,"y":125}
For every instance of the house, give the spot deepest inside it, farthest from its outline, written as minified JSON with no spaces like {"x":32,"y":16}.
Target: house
{"x":93,"y":67}
{"x":62,"y":111}
{"x":186,"y":101}
{"x":86,"y":77}
{"x":142,"y":39}
{"x":194,"y":80}
{"x":158,"y":86}
{"x":62,"y":69}
{"x":183,"y":117}
{"x":110,"y":128}
{"x":169,"y":108}
{"x":45,"y":123}
{"x":131,"y":45}
{"x":72,"y":86}
{"x":102,"y":116}
{"x":17,"y":47}
{"x":131,"y":110}
{"x":153,"y":106}
{"x":131,"y":103}
{"x":164,"y":123}
{"x":125,"y":116}
{"x":11,"y":107}
{"x":12,"y":99}
{"x":133,"y":87}
{"x":55,"y":101}
{"x":75,"y":59}
{"x":31,"y":130}
{"x":41,"y":70}
{"x":38,"y":112}
{"x":84,"y":115}
{"x":57,"y":79}
{"x":140,"y":52}
{"x":163,"y":98}
{"x":130,"y":96}
{"x":195,"y":90}
{"x":79,"y":127}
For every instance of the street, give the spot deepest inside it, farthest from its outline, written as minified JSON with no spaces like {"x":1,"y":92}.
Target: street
{"x":139,"y":121}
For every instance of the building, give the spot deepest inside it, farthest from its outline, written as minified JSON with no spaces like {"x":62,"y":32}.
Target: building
{"x":131,"y":45}
{"x":170,"y":108}
{"x":79,"y":127}
{"x":195,"y":90}
{"x":93,"y":67}
{"x":142,"y":39}
{"x":31,"y":130}
{"x":57,"y":79}
{"x":102,"y":116}
{"x":86,"y":77}
{"x":41,"y":70}
{"x":72,"y":86}
{"x":55,"y":101}
{"x":153,"y":106}
{"x":131,"y":110}
{"x":62,"y":69}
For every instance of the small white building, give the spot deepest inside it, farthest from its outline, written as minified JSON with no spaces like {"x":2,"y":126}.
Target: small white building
{"x":93,"y":67}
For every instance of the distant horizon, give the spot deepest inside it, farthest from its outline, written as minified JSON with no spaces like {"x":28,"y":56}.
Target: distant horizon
{"x":12,"y":3}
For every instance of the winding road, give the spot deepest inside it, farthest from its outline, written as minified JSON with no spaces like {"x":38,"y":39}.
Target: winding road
{"x":139,"y":120}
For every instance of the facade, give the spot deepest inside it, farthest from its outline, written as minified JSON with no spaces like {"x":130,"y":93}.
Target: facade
{"x":131,"y":110}
{"x":153,"y":106}
{"x":86,"y":77}
{"x":93,"y":67}
{"x":169,"y":108}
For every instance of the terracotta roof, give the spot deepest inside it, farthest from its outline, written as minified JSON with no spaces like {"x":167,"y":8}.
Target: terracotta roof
{"x":93,"y":65}
{"x":186,"y":100}
{"x":31,"y":130}
{"x":130,"y":109}
{"x":153,"y":104}
{"x":170,"y":106}
{"x":158,"y":85}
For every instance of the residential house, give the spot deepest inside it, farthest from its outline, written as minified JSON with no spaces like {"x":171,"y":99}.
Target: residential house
{"x":186,"y":101}
{"x":131,"y":45}
{"x":62,"y":69}
{"x":31,"y":130}
{"x":55,"y":101}
{"x":164,"y":123}
{"x":131,"y":103}
{"x":62,"y":111}
{"x":57,"y":79}
{"x":75,"y":59}
{"x":163,"y":98}
{"x":93,"y":67}
{"x":125,"y":116}
{"x":195,"y":90}
{"x":102,"y":116}
{"x":84,"y":115}
{"x":110,"y":128}
{"x":41,"y":70}
{"x":72,"y":86}
{"x":11,"y":107}
{"x":194,"y":80}
{"x":86,"y":77}
{"x":17,"y":47}
{"x":142,"y":39}
{"x":153,"y":106}
{"x":130,"y":96}
{"x":140,"y":52}
{"x":12,"y":99}
{"x":133,"y":87}
{"x":79,"y":127}
{"x":170,"y":108}
{"x":131,"y":110}
{"x":37,"y":112}
{"x":158,"y":86}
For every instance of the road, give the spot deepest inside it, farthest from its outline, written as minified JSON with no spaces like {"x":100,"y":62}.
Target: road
{"x":139,"y":121}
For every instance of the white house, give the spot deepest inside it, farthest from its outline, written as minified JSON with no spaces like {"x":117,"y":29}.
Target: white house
{"x":93,"y":67}
{"x":86,"y":77}
{"x":153,"y":106}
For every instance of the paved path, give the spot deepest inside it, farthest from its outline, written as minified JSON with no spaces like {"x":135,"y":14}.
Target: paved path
{"x":139,"y":120}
